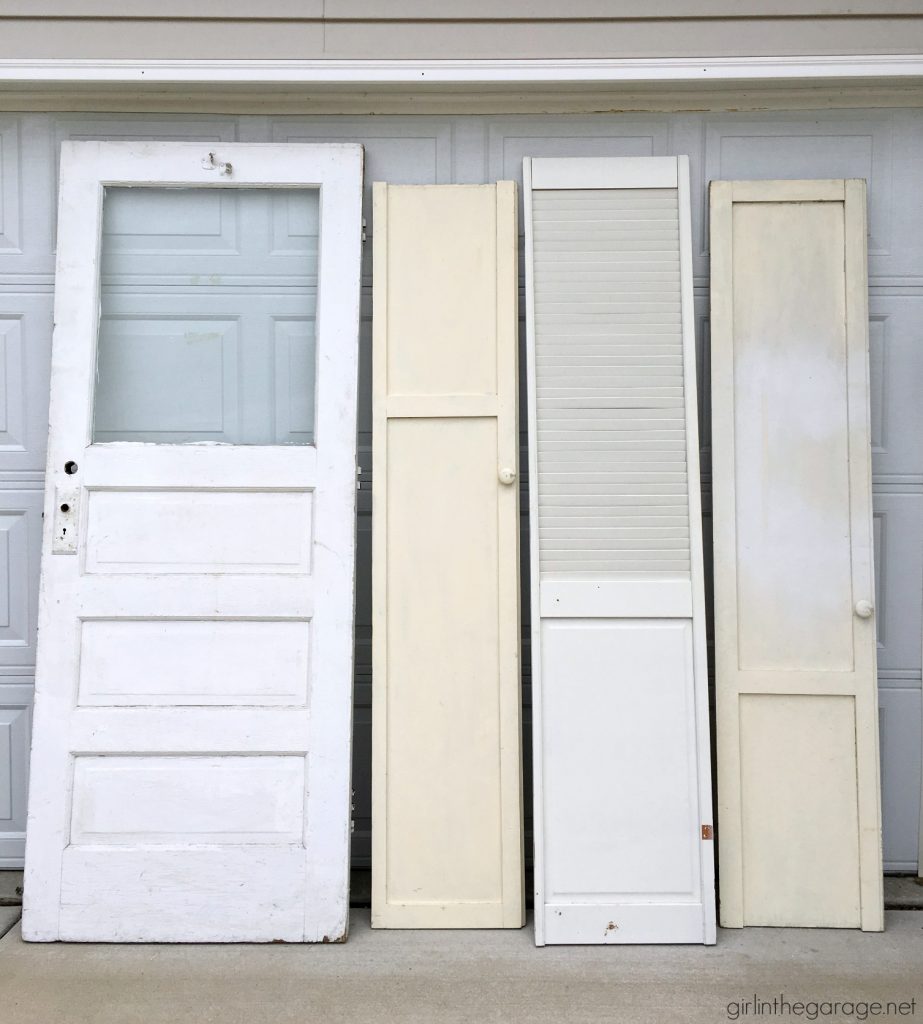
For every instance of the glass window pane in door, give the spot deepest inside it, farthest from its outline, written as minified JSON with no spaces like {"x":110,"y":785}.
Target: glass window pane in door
{"x":207,"y":316}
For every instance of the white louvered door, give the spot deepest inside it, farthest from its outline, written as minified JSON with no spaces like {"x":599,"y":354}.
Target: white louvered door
{"x":620,"y":721}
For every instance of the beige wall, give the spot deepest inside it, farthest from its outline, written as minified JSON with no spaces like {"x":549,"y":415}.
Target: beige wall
{"x":427,"y":29}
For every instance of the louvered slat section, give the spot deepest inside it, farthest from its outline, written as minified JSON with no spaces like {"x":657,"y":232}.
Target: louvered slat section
{"x":612,"y":481}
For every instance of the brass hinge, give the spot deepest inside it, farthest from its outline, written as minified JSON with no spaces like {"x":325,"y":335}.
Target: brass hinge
{"x":707,"y":832}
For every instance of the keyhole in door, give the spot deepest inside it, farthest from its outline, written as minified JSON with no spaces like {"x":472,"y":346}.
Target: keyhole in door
{"x":70,"y":468}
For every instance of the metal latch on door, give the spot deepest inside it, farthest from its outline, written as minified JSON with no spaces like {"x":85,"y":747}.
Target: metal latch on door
{"x":64,"y":541}
{"x":65,"y":521}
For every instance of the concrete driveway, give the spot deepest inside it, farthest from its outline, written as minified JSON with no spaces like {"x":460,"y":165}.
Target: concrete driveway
{"x":487,"y":976}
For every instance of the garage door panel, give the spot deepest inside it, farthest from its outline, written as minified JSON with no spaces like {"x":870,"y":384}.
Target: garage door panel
{"x":900,"y":713}
{"x":399,"y":150}
{"x":10,"y":187}
{"x":898,"y":535}
{"x":896,"y":360}
{"x":512,"y":139}
{"x":20,"y":555}
{"x":243,"y":232}
{"x":15,"y":742}
{"x":799,"y":146}
{"x":25,"y":365}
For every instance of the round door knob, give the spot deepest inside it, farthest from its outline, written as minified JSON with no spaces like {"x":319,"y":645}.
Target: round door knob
{"x":864,"y":609}
{"x":507,"y":475}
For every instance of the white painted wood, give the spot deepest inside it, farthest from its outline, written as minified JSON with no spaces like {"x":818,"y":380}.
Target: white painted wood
{"x":193,"y":662}
{"x":624,"y":854}
{"x":446,"y":766}
{"x":277,"y":883}
{"x":616,"y":598}
{"x":120,"y":524}
{"x":797,"y":707}
{"x":192,"y":730}
{"x":420,"y":72}
{"x":603,"y":172}
{"x":181,"y":801}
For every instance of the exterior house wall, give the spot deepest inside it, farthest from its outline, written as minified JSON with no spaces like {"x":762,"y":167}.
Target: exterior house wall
{"x":343,"y":29}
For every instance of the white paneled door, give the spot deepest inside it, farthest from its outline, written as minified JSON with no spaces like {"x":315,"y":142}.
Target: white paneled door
{"x":190,"y":767}
{"x":623,"y":829}
{"x":795,"y":646}
{"x":447,"y":757}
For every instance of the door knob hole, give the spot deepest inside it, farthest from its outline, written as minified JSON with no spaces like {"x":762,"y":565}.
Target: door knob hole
{"x":70,"y":468}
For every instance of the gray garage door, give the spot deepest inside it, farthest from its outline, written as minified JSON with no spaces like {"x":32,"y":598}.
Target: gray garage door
{"x":885,"y":147}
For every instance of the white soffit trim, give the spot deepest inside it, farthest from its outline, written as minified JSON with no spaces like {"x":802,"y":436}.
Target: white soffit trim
{"x":460,"y":72}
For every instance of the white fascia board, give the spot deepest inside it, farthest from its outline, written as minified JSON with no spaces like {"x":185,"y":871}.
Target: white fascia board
{"x":459,"y":72}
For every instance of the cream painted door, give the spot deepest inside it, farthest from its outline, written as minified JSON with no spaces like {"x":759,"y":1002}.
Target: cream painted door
{"x":623,"y":850}
{"x":797,"y":710}
{"x":190,"y":768}
{"x":446,"y":759}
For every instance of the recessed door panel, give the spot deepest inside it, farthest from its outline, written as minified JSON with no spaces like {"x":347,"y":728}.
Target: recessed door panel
{"x":174,"y":531}
{"x":803,"y":874}
{"x":791,"y":457}
{"x":137,"y":662}
{"x":611,"y":694}
{"x":181,"y":800}
{"x":446,"y":679}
